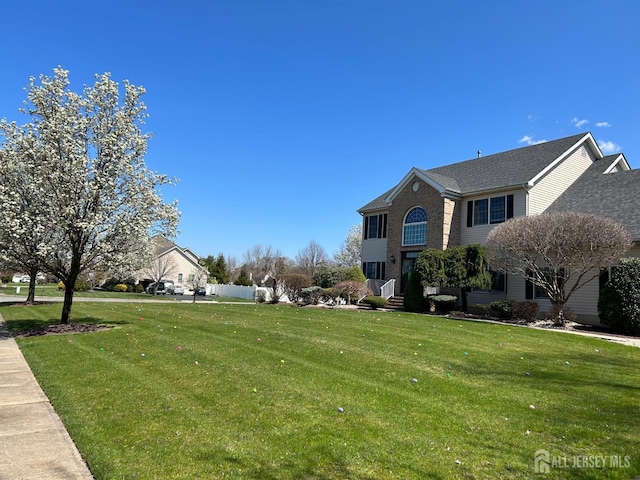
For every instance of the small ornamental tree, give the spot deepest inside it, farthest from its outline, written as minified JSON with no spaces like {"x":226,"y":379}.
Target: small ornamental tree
{"x":196,"y":280}
{"x":559,"y":252}
{"x":293,"y":284}
{"x":619,"y":302}
{"x":413,"y":300}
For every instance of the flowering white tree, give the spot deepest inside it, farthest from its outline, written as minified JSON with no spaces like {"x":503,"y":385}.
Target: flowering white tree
{"x":20,"y":229}
{"x":350,"y":251}
{"x":96,"y":199}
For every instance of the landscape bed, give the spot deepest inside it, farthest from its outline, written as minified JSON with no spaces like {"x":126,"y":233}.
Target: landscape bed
{"x":264,"y":391}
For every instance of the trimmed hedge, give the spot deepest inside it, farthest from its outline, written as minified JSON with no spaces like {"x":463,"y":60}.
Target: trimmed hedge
{"x":374,"y":302}
{"x":443,"y":303}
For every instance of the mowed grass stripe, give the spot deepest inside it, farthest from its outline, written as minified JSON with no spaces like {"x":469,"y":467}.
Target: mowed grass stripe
{"x":163,"y":416}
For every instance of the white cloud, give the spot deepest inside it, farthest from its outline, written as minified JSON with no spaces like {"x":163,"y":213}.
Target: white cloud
{"x":579,"y":123}
{"x":608,"y":147}
{"x":603,"y":124}
{"x":528,"y":139}
{"x":532,"y":118}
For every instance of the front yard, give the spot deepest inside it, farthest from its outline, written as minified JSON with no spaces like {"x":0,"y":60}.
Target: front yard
{"x":263,"y":391}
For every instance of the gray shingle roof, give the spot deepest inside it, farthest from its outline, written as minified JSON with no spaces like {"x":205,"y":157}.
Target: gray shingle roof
{"x":614,"y":195}
{"x":161,"y":244}
{"x":505,"y":169}
{"x":500,"y":170}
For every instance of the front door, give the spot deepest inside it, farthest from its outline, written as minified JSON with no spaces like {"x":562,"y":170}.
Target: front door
{"x":408,"y":265}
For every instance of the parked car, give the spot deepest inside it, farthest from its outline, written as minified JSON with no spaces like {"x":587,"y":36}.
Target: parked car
{"x":161,"y":288}
{"x":175,"y":290}
{"x":201,"y":291}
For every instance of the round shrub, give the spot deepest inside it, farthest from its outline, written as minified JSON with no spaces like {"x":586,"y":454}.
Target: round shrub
{"x":60,"y":285}
{"x":619,"y":302}
{"x":312,"y":295}
{"x":120,"y":287}
{"x":527,"y":310}
{"x":502,"y":309}
{"x":479,"y":309}
{"x":443,"y":303}
{"x":374,"y":302}
{"x":80,"y":286}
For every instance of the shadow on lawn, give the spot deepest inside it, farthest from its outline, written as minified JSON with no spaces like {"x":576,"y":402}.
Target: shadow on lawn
{"x":37,"y":327}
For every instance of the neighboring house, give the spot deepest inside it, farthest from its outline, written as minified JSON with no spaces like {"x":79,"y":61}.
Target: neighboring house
{"x":173,"y":262}
{"x":459,"y":204}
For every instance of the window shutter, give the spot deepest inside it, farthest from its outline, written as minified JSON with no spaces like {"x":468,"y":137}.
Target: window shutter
{"x":366,"y":227}
{"x":470,"y":213}
{"x":364,"y":268}
{"x":378,"y":270}
{"x":528,"y":290}
{"x":384,"y":228}
{"x":604,"y":277}
{"x":383,"y":274}
{"x":380,"y":226}
{"x":509,"y":206}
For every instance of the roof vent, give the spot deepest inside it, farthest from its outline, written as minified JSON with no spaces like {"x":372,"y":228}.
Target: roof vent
{"x":479,"y":153}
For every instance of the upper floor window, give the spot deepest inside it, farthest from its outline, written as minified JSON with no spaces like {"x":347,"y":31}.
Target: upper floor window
{"x":375,"y":226}
{"x":415,"y":227}
{"x":489,"y":211}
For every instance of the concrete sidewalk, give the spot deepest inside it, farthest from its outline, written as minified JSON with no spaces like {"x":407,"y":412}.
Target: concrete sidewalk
{"x":34,"y":443}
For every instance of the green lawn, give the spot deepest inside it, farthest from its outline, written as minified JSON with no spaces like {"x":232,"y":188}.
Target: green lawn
{"x":51,"y":290}
{"x":254,"y":391}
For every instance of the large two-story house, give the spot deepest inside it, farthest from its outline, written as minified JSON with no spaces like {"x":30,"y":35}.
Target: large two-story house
{"x":460,"y":203}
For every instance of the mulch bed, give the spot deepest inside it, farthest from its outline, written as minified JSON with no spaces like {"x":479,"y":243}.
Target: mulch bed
{"x":64,"y":329}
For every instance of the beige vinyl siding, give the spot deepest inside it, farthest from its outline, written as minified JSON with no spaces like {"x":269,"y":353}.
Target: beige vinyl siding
{"x":479,"y":233}
{"x":555,"y":182}
{"x":184,"y":265}
{"x":374,"y":250}
{"x":634,"y":252}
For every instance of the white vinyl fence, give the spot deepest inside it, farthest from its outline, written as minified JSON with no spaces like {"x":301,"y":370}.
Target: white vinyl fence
{"x":235,"y":291}
{"x":239,"y":291}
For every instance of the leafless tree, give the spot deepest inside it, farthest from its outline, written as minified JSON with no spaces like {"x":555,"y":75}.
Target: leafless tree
{"x":558,"y":252}
{"x":232,"y":267}
{"x":310,"y":257}
{"x":159,"y":269}
{"x":350,"y":251}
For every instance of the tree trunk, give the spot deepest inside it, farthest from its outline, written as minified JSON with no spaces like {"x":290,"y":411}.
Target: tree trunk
{"x":69,"y":285}
{"x":463,"y":298}
{"x":66,"y":306}
{"x":557,"y":310}
{"x":31,"y":296}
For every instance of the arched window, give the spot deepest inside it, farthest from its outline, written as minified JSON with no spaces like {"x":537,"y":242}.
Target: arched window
{"x":415,"y":227}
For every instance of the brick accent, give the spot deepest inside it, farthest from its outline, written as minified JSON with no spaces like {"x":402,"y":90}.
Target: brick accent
{"x":443,"y":227}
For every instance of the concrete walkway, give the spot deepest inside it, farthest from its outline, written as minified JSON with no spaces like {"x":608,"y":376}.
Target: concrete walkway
{"x":34,"y":443}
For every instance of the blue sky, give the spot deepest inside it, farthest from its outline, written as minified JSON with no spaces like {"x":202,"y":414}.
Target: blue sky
{"x":282,"y":118}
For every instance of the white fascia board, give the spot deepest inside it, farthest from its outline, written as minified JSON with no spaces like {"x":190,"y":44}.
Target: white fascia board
{"x":619,"y":162}
{"x":414,"y":172}
{"x":587,"y":138}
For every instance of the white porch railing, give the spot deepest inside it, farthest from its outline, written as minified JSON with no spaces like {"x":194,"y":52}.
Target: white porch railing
{"x":387,"y":290}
